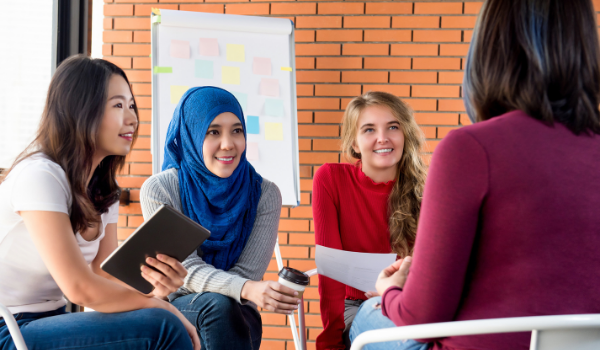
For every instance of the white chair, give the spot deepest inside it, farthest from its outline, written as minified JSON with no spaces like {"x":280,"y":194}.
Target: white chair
{"x":13,"y":328}
{"x":563,"y":332}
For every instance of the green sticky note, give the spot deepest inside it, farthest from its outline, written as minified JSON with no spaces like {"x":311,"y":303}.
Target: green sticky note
{"x":156,"y":19}
{"x":230,"y":75}
{"x":274,"y":131}
{"x":176,"y":92}
{"x":274,"y":108}
{"x":235,"y":53}
{"x":158,"y":70}
{"x":242,"y":99}
{"x":204,"y":69}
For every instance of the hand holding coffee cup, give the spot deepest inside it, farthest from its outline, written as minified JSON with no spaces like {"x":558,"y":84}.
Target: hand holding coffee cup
{"x":294,"y":279}
{"x":272,"y":296}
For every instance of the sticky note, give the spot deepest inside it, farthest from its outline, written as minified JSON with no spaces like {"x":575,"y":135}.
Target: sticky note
{"x":158,"y":70}
{"x":269,"y":87}
{"x":180,"y":49}
{"x":235,"y":53}
{"x":204,"y":69}
{"x":176,"y":92}
{"x":209,"y":47}
{"x":274,"y":108}
{"x":274,"y":131}
{"x":252,"y":125}
{"x":230,"y":75}
{"x":252,"y":151}
{"x":289,"y":69}
{"x":242,"y":99}
{"x":261,"y":66}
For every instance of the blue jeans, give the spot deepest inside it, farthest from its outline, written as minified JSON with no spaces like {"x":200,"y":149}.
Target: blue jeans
{"x":222,"y":322}
{"x":140,"y":329}
{"x":370,"y":317}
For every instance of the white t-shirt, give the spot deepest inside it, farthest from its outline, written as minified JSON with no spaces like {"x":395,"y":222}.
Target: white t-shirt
{"x":37,"y":183}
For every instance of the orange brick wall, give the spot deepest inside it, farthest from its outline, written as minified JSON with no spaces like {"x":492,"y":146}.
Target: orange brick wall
{"x":412,"y":49}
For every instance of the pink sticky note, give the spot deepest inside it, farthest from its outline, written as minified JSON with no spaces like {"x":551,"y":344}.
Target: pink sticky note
{"x":252,"y":151}
{"x":261,"y":66}
{"x":269,"y":87}
{"x":209,"y":47}
{"x":180,"y":49}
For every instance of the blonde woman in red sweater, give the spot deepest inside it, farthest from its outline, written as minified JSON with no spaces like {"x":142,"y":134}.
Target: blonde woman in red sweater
{"x":371,"y":206}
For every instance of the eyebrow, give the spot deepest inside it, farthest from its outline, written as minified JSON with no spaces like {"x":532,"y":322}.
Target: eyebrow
{"x":218,"y":126}
{"x":120,"y":97}
{"x":371,"y":124}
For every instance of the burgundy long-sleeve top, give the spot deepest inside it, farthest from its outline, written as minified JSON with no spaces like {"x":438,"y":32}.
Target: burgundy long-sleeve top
{"x":510,"y":226}
{"x":350,"y":213}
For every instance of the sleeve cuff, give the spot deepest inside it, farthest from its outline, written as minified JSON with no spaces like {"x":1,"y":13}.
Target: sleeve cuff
{"x":235,"y":289}
{"x":388,"y":294}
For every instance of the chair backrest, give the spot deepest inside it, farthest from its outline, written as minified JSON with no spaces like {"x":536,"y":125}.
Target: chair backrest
{"x":13,"y":328}
{"x":566,"y":339}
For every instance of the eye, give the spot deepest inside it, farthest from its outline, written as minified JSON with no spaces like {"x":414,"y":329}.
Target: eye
{"x":394,"y":127}
{"x":118,"y":105}
{"x":132,"y":106}
{"x":368,"y":130}
{"x":238,"y":131}
{"x":212,"y":132}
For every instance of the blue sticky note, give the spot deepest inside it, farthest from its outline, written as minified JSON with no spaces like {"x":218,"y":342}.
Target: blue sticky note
{"x":204,"y":69}
{"x":274,"y":108}
{"x":242,"y":99}
{"x":252,"y":125}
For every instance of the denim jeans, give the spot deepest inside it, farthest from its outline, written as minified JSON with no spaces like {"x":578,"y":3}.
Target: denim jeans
{"x":222,"y":323}
{"x":370,"y":317}
{"x":140,"y":329}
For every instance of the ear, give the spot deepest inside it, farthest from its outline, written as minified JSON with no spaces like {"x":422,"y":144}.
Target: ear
{"x":355,"y":147}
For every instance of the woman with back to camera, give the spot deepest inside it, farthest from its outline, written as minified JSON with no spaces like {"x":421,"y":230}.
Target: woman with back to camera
{"x":509,"y":222}
{"x":207,"y":177}
{"x":371,"y":206}
{"x":58,"y":214}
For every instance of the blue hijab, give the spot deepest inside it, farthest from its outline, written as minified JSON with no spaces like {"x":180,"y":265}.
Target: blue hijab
{"x":226,"y":207}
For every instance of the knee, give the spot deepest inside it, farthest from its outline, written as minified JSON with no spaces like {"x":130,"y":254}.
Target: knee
{"x":217,"y":302}
{"x":160,"y":319}
{"x":363,"y":320}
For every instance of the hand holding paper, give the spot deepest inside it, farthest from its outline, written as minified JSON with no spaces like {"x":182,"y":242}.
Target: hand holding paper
{"x":394,"y":275}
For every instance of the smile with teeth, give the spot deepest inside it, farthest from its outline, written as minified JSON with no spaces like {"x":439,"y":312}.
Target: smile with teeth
{"x":129,"y":134}
{"x":385,"y":150}
{"x":227,"y":159}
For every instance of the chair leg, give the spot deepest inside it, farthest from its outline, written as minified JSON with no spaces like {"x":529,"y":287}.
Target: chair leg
{"x":302,"y":324}
{"x":13,"y":328}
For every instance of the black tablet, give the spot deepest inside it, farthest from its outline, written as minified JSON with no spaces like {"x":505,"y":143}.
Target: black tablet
{"x":167,"y":232}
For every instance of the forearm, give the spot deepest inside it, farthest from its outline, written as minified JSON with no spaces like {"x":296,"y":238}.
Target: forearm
{"x":203,"y":277}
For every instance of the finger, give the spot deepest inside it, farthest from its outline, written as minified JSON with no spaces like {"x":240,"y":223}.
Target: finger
{"x":282,"y":306}
{"x":283,"y":298}
{"x":161,"y":279}
{"x":276,"y":286}
{"x":159,"y":289}
{"x":162,"y":267}
{"x":405,"y":266}
{"x":173,"y":263}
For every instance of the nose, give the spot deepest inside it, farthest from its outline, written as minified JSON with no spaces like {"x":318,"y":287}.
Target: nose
{"x":226,"y":142}
{"x":382,"y":137}
{"x":131,"y":119}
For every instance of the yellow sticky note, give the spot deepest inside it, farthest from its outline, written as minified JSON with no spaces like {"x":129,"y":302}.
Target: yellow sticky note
{"x":235,"y":53}
{"x":274,"y":131}
{"x":230,"y":75}
{"x":289,"y":69}
{"x":176,"y":92}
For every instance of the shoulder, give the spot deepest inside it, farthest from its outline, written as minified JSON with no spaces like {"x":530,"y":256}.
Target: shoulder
{"x":39,"y":168}
{"x":330,"y":173}
{"x":270,"y":197}
{"x":165,"y":181}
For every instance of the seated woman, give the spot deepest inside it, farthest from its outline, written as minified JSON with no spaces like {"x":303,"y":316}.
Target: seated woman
{"x":509,"y":223}
{"x":207,"y":177}
{"x":371,"y":206}
{"x":59,"y":205}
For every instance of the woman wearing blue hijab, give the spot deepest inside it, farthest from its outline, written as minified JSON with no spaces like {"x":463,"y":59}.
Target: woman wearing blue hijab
{"x":207,"y":177}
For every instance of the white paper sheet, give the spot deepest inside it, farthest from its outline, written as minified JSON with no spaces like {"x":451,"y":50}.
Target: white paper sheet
{"x":358,"y":270}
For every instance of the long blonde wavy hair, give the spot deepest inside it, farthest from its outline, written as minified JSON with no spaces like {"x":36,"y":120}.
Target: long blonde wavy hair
{"x":404,"y":203}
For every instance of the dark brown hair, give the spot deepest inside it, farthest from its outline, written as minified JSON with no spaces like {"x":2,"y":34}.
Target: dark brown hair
{"x":67,"y":135}
{"x":537,"y":56}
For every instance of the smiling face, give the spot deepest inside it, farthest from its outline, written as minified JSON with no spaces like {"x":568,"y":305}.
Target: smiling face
{"x":119,"y":121}
{"x":224,"y":144}
{"x":380,"y":142}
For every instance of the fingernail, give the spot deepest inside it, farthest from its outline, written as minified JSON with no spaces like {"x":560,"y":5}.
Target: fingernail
{"x":295,"y":293}
{"x":159,"y":256}
{"x":295,"y":306}
{"x":408,"y":258}
{"x":298,"y":301}
{"x":144,"y":267}
{"x":149,"y":259}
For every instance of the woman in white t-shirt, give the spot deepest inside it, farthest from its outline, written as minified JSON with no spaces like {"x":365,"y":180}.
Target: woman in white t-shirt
{"x":58,"y":214}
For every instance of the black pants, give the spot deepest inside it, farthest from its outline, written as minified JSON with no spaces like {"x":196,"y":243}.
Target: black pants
{"x":350,"y":310}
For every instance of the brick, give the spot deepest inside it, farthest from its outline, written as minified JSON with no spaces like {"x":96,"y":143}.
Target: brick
{"x":208,"y":8}
{"x":337,"y":90}
{"x":436,"y":63}
{"x":293,"y":9}
{"x":225,"y":1}
{"x":293,"y":225}
{"x":276,"y":332}
{"x":472,"y":8}
{"x":124,"y":233}
{"x":247,"y":9}
{"x":121,"y":62}
{"x":272,"y":344}
{"x":317,"y":49}
{"x":442,"y":8}
{"x":107,"y":23}
{"x":305,"y":171}
{"x":146,"y":10}
{"x":305,"y":198}
{"x":318,"y":157}
{"x":305,"y":90}
{"x":305,"y":62}
{"x":436,"y":118}
{"x":468,"y":36}
{"x":134,"y":195}
{"x":305,"y":144}
{"x":273,"y":319}
{"x":142,"y":63}
{"x":144,"y":129}
{"x":141,"y":169}
{"x":387,"y":8}
{"x":341,"y":8}
{"x":398,"y":90}
{"x":119,"y":1}
{"x":131,"y":50}
{"x":132,"y":23}
{"x":387,"y":63}
{"x":305,"y":117}
{"x":339,"y":62}
{"x":365,"y":77}
{"x":451,"y":77}
{"x":117,"y":36}
{"x":318,"y":103}
{"x":319,"y":22}
{"x":142,"y":143}
{"x":139,"y":76}
{"x":464,"y":119}
{"x":366,"y":49}
{"x":429,"y":132}
{"x":118,"y":10}
{"x":437,"y":36}
{"x":326,"y":145}
{"x":443,"y":131}
{"x":122,"y":221}
{"x":124,"y":170}
{"x":106,"y":50}
{"x":339,"y":35}
{"x":435,"y":91}
{"x":318,"y":76}
{"x":328,"y":118}
{"x":367,"y":22}
{"x":305,"y":265}
{"x":459,"y":21}
{"x":388,"y":35}
{"x":131,"y":182}
{"x":420,"y":104}
{"x":454,"y":49}
{"x":416,"y":22}
{"x":135,"y":221}
{"x":451,"y":105}
{"x":413,"y":77}
{"x":302,"y":238}
{"x":414,"y":50}
{"x":142,"y":37}
{"x":304,"y":36}
{"x":430,"y":145}
{"x":145,"y":115}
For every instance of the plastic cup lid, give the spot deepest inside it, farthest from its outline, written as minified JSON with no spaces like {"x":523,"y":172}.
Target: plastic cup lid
{"x":294,"y":276}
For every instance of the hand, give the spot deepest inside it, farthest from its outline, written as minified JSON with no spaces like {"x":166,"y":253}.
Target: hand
{"x":168,"y":278}
{"x":192,"y":332}
{"x":268,"y":295}
{"x":393,"y":275}
{"x":371,"y":294}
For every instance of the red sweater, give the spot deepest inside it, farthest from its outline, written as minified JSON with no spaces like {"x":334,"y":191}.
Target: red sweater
{"x":509,"y":227}
{"x":350,"y":213}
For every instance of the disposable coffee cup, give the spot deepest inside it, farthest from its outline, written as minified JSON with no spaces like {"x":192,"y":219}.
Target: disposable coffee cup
{"x":292,"y":278}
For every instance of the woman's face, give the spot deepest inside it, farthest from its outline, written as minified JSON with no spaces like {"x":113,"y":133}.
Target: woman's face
{"x":224,"y":144}
{"x":119,"y":121}
{"x":379,"y":140}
